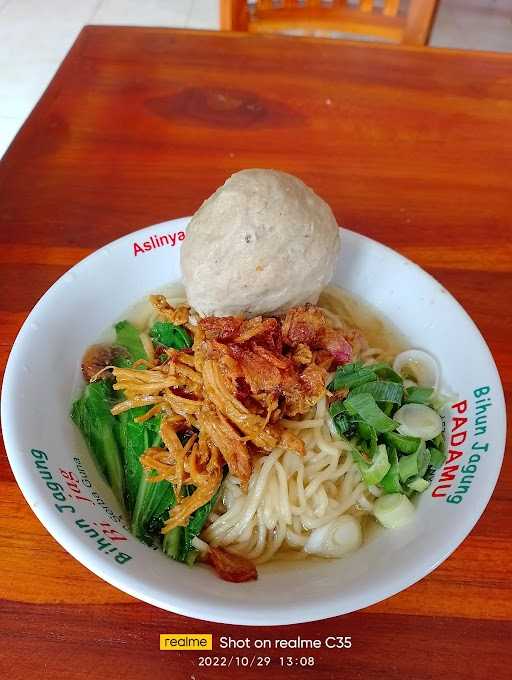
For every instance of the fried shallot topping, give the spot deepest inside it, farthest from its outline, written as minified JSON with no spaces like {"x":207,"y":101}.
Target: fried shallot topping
{"x":231,"y":567}
{"x":221,"y":402}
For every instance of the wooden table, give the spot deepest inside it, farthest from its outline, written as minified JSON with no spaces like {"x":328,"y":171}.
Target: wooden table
{"x":410,"y":146}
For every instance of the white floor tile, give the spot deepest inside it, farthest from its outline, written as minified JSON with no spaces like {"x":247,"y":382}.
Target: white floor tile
{"x":22,"y":84}
{"x":8,"y":129}
{"x":31,"y":30}
{"x":204,"y":14}
{"x":143,"y":12}
{"x":445,"y":30}
{"x":473,"y":24}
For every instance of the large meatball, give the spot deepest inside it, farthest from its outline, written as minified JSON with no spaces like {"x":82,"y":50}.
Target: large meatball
{"x":263,"y":242}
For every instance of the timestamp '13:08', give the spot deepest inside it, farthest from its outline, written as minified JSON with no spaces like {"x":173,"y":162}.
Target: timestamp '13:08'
{"x":287,"y":661}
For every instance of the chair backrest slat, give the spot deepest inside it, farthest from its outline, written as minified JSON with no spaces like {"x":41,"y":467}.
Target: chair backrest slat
{"x":391,"y":7}
{"x":377,"y":18}
{"x":419,"y":21}
{"x":366,"y":5}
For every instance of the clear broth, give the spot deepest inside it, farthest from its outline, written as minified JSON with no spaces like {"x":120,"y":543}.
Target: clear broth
{"x":357,"y":313}
{"x":354,"y":312}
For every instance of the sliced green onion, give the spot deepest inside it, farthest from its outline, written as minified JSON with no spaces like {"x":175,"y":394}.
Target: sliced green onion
{"x":385,"y":372}
{"x":350,"y":368}
{"x":419,"y":365}
{"x":418,"y":420}
{"x":437,"y":458}
{"x":414,"y":464}
{"x":418,"y":484}
{"x":408,"y":467}
{"x":388,"y":408}
{"x":423,"y":459}
{"x":440,"y":401}
{"x":368,"y":434}
{"x":336,"y":408}
{"x":365,"y":431}
{"x":381,"y":390}
{"x":418,"y":395}
{"x":438,"y":442}
{"x":374,"y":472}
{"x":393,"y":510}
{"x":342,"y":424}
{"x":390,"y":483}
{"x":373,"y":441}
{"x":351,"y":375}
{"x":402,"y":442}
{"x":365,"y":406}
{"x":339,"y":417}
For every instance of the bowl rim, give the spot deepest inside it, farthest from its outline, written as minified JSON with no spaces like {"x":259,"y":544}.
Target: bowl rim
{"x":231,"y":614}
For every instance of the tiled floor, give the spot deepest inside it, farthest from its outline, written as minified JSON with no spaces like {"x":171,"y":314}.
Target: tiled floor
{"x":36,"y":34}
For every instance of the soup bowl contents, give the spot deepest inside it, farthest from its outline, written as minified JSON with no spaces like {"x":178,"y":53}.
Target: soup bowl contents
{"x":237,"y":439}
{"x":299,"y":510}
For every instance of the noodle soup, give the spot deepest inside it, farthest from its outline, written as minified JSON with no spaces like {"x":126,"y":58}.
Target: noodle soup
{"x":292,"y":506}
{"x":290,"y":497}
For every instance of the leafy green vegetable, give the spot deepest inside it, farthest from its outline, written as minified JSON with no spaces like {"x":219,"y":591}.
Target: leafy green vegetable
{"x":191,"y":557}
{"x":365,"y":406}
{"x":91,"y":413}
{"x":134,"y":439}
{"x":121,"y":361}
{"x":169,"y":335}
{"x":152,"y":504}
{"x":117,"y":442}
{"x":402,"y":442}
{"x":154,"y":499}
{"x":381,"y":390}
{"x":178,"y":542}
{"x":128,"y":336}
{"x":197,"y":521}
{"x":172,"y":542}
{"x":418,"y":395}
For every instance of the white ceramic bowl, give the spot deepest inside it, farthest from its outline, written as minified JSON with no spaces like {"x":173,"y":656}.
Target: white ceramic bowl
{"x":44,"y":447}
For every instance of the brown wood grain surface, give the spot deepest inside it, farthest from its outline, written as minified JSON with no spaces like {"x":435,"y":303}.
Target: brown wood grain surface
{"x":412,"y":147}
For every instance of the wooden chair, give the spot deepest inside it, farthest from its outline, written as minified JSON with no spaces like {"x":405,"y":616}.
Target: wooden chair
{"x":408,"y":24}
